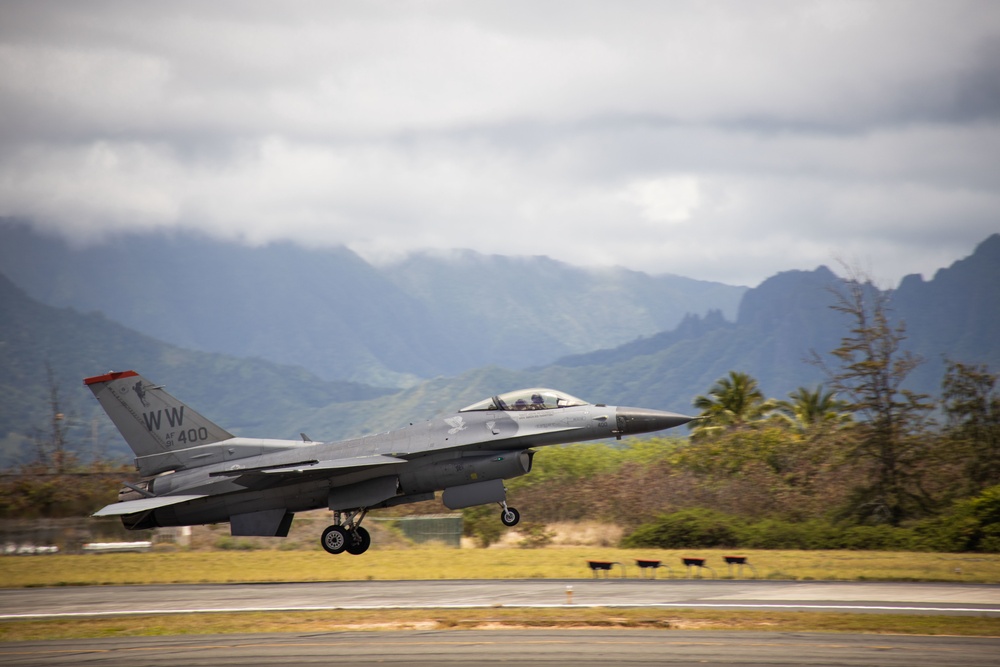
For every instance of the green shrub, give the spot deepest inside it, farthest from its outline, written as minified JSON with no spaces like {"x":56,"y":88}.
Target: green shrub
{"x":970,"y":525}
{"x":483,"y":524}
{"x":705,"y":528}
{"x":776,"y":534}
{"x":876,"y":538}
{"x":536,"y":535}
{"x":694,"y":528}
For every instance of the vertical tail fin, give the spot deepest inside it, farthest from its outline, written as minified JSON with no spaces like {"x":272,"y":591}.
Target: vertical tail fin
{"x":151,"y":420}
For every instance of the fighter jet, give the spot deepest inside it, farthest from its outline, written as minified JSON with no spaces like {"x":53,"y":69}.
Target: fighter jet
{"x":195,"y":472}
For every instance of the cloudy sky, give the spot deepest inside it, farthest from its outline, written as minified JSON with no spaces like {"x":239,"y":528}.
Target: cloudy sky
{"x":718,"y":140}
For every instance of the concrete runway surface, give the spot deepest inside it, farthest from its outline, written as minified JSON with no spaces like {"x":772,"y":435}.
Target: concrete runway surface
{"x":861,"y":597}
{"x":535,"y":647}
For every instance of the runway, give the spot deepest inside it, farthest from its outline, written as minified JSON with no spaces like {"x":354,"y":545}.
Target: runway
{"x":860,"y":597}
{"x":553,"y":648}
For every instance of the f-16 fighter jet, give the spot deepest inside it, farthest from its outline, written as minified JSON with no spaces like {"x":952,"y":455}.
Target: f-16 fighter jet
{"x":195,"y":472}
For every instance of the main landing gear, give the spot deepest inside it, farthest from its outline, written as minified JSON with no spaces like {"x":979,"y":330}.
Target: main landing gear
{"x":347,"y":534}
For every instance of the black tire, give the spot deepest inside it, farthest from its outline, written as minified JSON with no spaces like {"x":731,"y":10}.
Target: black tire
{"x":510,"y":517}
{"x":334,"y":540}
{"x":358,"y":541}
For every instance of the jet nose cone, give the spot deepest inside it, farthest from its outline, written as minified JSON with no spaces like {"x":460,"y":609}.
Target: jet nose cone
{"x":642,"y":420}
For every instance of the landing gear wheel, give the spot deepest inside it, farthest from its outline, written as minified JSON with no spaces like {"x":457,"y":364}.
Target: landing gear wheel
{"x":335,"y":539}
{"x":510,"y":516}
{"x":358,"y":541}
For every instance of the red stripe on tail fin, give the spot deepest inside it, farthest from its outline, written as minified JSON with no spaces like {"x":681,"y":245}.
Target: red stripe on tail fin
{"x":108,"y":377}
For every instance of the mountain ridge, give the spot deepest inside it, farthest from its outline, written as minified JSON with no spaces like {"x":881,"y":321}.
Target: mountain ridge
{"x":778,"y":326}
{"x":244,"y":394}
{"x":781,"y":324}
{"x":346,"y":319}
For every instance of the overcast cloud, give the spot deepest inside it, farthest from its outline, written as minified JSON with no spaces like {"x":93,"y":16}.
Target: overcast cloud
{"x":718,"y":140}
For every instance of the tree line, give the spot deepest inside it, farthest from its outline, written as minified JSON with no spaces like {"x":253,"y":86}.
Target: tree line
{"x":804,"y":472}
{"x":60,"y":479}
{"x":857,"y":462}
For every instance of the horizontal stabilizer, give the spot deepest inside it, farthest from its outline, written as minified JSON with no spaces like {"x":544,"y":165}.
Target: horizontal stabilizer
{"x":313,"y":466}
{"x":143,"y":505}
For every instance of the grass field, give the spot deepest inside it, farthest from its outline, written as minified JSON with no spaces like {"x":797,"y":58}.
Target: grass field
{"x":507,"y":563}
{"x":443,"y":563}
{"x":438,"y":619}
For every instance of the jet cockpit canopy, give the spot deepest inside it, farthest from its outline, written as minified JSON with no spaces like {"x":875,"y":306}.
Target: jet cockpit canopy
{"x":526,"y":399}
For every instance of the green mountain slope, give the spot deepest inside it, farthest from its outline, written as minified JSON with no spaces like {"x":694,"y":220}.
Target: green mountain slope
{"x":527,"y":311}
{"x":780,"y":324}
{"x":248,"y":396}
{"x":331,"y":312}
{"x":777,"y":327}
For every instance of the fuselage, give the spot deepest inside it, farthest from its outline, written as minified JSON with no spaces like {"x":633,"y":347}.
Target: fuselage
{"x":481,"y":443}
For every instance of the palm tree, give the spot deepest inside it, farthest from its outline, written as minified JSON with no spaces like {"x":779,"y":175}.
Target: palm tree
{"x":809,"y":409}
{"x":733,"y":402}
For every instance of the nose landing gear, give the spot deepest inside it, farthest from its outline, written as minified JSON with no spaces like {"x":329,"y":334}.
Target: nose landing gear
{"x":509,"y":516}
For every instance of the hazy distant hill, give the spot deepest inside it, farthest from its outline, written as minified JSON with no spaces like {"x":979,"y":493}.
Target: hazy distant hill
{"x":525,"y":311}
{"x":342,"y":318}
{"x":328,"y":311}
{"x":249,"y":396}
{"x":780,"y":323}
{"x":955,"y":314}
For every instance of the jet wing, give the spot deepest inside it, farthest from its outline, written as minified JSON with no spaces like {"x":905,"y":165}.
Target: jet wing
{"x":313,"y":466}
{"x":143,"y":505}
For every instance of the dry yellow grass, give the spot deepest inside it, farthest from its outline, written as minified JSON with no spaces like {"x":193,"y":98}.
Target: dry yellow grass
{"x":500,"y":563}
{"x":436,"y":619}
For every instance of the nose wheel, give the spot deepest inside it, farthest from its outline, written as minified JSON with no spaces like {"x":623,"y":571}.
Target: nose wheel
{"x":509,"y":516}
